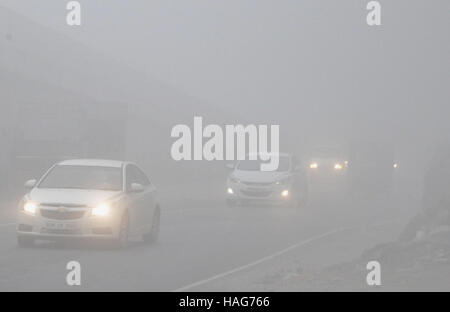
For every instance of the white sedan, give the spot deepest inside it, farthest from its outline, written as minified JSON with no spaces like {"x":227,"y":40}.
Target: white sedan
{"x":87,"y":198}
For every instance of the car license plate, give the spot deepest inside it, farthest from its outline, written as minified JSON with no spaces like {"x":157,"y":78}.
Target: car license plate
{"x":62,"y":226}
{"x":256,"y":190}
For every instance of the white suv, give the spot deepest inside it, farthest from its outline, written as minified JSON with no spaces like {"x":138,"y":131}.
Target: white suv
{"x":248,"y":184}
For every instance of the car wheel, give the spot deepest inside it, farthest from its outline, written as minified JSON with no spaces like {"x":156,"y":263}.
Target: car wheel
{"x":122,"y":239}
{"x":25,"y":242}
{"x":152,"y":236}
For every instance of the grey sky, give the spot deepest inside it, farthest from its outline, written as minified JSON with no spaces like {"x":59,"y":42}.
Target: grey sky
{"x":314,"y":57}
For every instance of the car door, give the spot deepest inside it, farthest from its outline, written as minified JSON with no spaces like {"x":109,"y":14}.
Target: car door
{"x":135,"y":201}
{"x":148,"y":200}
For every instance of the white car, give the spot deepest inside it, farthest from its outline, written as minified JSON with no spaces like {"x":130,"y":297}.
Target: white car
{"x":286,"y":185}
{"x":87,"y":198}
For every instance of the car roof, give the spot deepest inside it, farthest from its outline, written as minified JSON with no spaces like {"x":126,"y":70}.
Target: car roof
{"x":93,"y":163}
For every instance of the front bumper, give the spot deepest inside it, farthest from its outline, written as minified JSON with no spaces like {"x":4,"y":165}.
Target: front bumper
{"x":272,"y":194}
{"x":85,"y":227}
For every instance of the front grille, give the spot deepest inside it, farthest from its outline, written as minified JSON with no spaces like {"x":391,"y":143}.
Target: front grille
{"x":102,"y":231}
{"x":256,"y":193}
{"x":257,"y":183}
{"x":61,"y":231}
{"x":62,"y":215}
{"x":57,"y":205}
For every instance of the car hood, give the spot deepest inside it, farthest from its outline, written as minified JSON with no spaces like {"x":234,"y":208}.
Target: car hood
{"x":260,"y":176}
{"x":71,"y":196}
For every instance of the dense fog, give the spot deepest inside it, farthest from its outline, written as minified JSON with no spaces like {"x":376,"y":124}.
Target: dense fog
{"x":369,"y":102}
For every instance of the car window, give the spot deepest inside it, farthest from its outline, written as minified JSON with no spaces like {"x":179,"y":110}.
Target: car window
{"x":142,"y":178}
{"x":83,"y":177}
{"x":135,"y":175}
{"x":255,"y":165}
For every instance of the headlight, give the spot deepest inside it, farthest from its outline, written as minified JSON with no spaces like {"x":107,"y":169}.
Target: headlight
{"x":30,"y":208}
{"x":395,"y":166}
{"x":337,"y":167}
{"x":285,"y":193}
{"x":230,"y":191}
{"x":102,"y":210}
{"x":314,"y":165}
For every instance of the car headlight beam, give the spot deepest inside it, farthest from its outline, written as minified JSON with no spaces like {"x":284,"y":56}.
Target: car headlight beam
{"x":30,"y":208}
{"x":102,"y":210}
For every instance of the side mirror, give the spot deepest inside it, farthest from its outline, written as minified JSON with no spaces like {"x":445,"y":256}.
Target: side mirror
{"x":136,"y":188}
{"x":30,"y":184}
{"x":230,"y":166}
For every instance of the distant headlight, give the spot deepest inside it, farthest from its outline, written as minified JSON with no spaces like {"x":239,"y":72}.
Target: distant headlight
{"x":102,"y":210}
{"x":30,"y":208}
{"x":234,"y":180}
{"x":337,"y":167}
{"x":285,"y":193}
{"x":395,"y":166}
{"x":230,"y":191}
{"x":314,"y":165}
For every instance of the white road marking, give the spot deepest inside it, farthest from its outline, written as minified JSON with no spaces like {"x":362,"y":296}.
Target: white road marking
{"x":7,"y":224}
{"x":270,"y":257}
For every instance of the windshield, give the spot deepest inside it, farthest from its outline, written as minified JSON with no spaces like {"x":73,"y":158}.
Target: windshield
{"x":255,"y":165}
{"x":327,"y":153}
{"x":83,"y":177}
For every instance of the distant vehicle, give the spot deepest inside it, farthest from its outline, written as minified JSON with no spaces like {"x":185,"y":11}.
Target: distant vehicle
{"x":325,"y":160}
{"x":92,"y":199}
{"x":287,"y":185}
{"x":327,"y":166}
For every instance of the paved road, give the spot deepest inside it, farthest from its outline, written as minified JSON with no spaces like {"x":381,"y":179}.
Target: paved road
{"x":200,"y":238}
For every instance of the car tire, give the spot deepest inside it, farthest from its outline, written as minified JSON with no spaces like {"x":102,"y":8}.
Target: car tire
{"x":153,"y":235}
{"x":25,"y":242}
{"x":122,"y":238}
